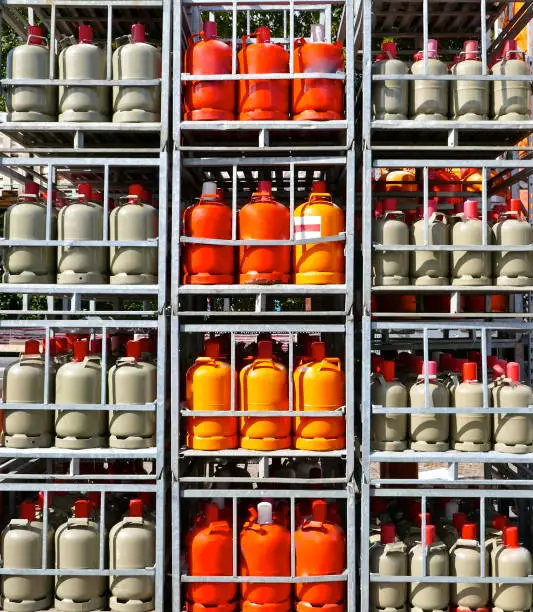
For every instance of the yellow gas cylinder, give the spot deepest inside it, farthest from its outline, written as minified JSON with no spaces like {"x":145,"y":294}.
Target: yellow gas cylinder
{"x":319,"y":386}
{"x":322,"y":263}
{"x":264,"y":387}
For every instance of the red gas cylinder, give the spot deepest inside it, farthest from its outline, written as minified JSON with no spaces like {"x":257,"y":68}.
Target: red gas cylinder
{"x":263,"y":218}
{"x":209,"y":100}
{"x":266,"y":99}
{"x":207,"y":264}
{"x":444,"y":181}
{"x":320,"y":551}
{"x":317,"y":99}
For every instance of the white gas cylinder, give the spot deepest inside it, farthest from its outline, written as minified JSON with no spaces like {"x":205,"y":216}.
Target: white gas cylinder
{"x":83,"y":61}
{"x":389,"y":98}
{"x":510,"y":100}
{"x":466,"y":558}
{"x":26,"y":220}
{"x":429,"y":98}
{"x":470,"y":267}
{"x":31,"y":61}
{"x":140,"y":61}
{"x":391,"y":267}
{"x":430,"y":267}
{"x":469,"y":100}
{"x":132,"y":380}
{"x":135,"y":219}
{"x":388,"y":557}
{"x":132,"y":546}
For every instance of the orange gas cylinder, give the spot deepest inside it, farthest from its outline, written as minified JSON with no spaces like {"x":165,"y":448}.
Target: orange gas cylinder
{"x":210,"y":553}
{"x":471,"y":177}
{"x":319,"y":386}
{"x":322,"y":263}
{"x":266,"y":99}
{"x":208,"y":387}
{"x":317,"y":99}
{"x":263,"y":386}
{"x":320,"y":551}
{"x":263,"y":218}
{"x":265,"y":551}
{"x":209,"y":100}
{"x":207,"y":264}
{"x":400,"y":180}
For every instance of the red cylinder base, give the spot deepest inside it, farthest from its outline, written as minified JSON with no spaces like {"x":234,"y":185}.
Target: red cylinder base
{"x":208,"y":279}
{"x":198,"y":607}
{"x":304,"y":606}
{"x":283,"y":606}
{"x":313,"y":115}
{"x":264,"y":278}
{"x":263,"y":115}
{"x":209,"y":114}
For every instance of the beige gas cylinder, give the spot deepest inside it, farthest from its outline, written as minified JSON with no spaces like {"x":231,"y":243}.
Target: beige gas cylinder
{"x":429,"y":432}
{"x":513,"y":268}
{"x":132,"y":546}
{"x":132,"y":380}
{"x":79,"y":382}
{"x":429,"y":99}
{"x":430,"y":267}
{"x":77,"y":546}
{"x":140,"y":61}
{"x":513,"y":433}
{"x":134,"y":219}
{"x":388,"y":557}
{"x":31,"y":61}
{"x":26,"y":220}
{"x":510,"y":99}
{"x":389,"y":431}
{"x":22,"y":548}
{"x":83,"y":61}
{"x":391,"y":267}
{"x":511,"y":561}
{"x":470,"y":432}
{"x":470,"y":267}
{"x":81,"y":220}
{"x":389,"y":98}
{"x":429,"y":595}
{"x":469,"y":100}
{"x":24,"y":384}
{"x":466,"y":558}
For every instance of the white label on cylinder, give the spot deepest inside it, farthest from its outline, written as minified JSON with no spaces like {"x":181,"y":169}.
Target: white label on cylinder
{"x":307,"y":227}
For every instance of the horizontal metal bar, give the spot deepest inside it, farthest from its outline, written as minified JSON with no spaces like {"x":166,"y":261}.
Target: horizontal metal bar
{"x":453,"y":579}
{"x":456,"y":163}
{"x":81,"y":162}
{"x":314,"y":126}
{"x":412,"y":248}
{"x":89,"y":453}
{"x":265,"y":493}
{"x":82,"y":407}
{"x":243,"y":452}
{"x":293,"y":242}
{"x":453,"y":490}
{"x":151,"y":242}
{"x":452,"y":77}
{"x":271,"y":76}
{"x":82,"y":82}
{"x":266,"y":579}
{"x":519,"y":326}
{"x":259,"y":5}
{"x":26,"y":571}
{"x":450,"y":456}
{"x":452,"y":410}
{"x":265,"y":413}
{"x":264,"y":289}
{"x":261,"y":327}
{"x":83,"y":290}
{"x":81,"y":127}
{"x":268,"y":479}
{"x":456,"y":289}
{"x":78,"y":487}
{"x":84,"y":3}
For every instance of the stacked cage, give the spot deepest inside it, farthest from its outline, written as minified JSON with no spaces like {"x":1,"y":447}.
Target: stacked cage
{"x":263,"y":497}
{"x":446,"y":353}
{"x":83,"y":296}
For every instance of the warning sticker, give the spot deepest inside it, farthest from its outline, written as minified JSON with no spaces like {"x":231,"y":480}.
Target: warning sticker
{"x":307,"y":227}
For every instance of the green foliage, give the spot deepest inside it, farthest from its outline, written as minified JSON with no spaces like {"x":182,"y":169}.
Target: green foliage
{"x":8,"y":40}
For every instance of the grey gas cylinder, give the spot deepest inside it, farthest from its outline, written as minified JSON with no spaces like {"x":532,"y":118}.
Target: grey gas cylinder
{"x":391,"y":267}
{"x":429,"y":98}
{"x":388,"y":557}
{"x":466,"y":558}
{"x":470,"y":267}
{"x":389,"y":98}
{"x":469,"y":100}
{"x":510,"y":100}
{"x":430,"y":267}
{"x":388,"y":431}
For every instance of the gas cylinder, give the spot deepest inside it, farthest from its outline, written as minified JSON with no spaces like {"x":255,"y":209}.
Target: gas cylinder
{"x":83,"y":61}
{"x":403,"y":180}
{"x":210,"y":553}
{"x":134,"y":219}
{"x":513,"y":433}
{"x":430,"y":267}
{"x":264,"y":386}
{"x":82,"y":219}
{"x":77,"y":546}
{"x":132,"y":546}
{"x":208,"y":387}
{"x":263,"y":218}
{"x":470,"y":267}
{"x":22,"y":547}
{"x":429,"y":99}
{"x":391,"y":267}
{"x":320,"y":551}
{"x":317,"y":99}
{"x":31,"y":61}
{"x":210,"y":217}
{"x":429,"y":595}
{"x":429,"y":432}
{"x":132,"y":380}
{"x":26,"y":220}
{"x":388,"y":557}
{"x":388,"y":431}
{"x":79,"y":382}
{"x":319,"y":386}
{"x":209,"y":100}
{"x":265,"y":550}
{"x":469,"y":100}
{"x":24,"y":384}
{"x":322,"y":263}
{"x":470,"y":432}
{"x":263,"y":99}
{"x":389,"y":98}
{"x":511,"y":561}
{"x":513,"y":268}
{"x":443,"y":184}
{"x":510,"y":99}
{"x":465,"y":561}
{"x":140,"y":61}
